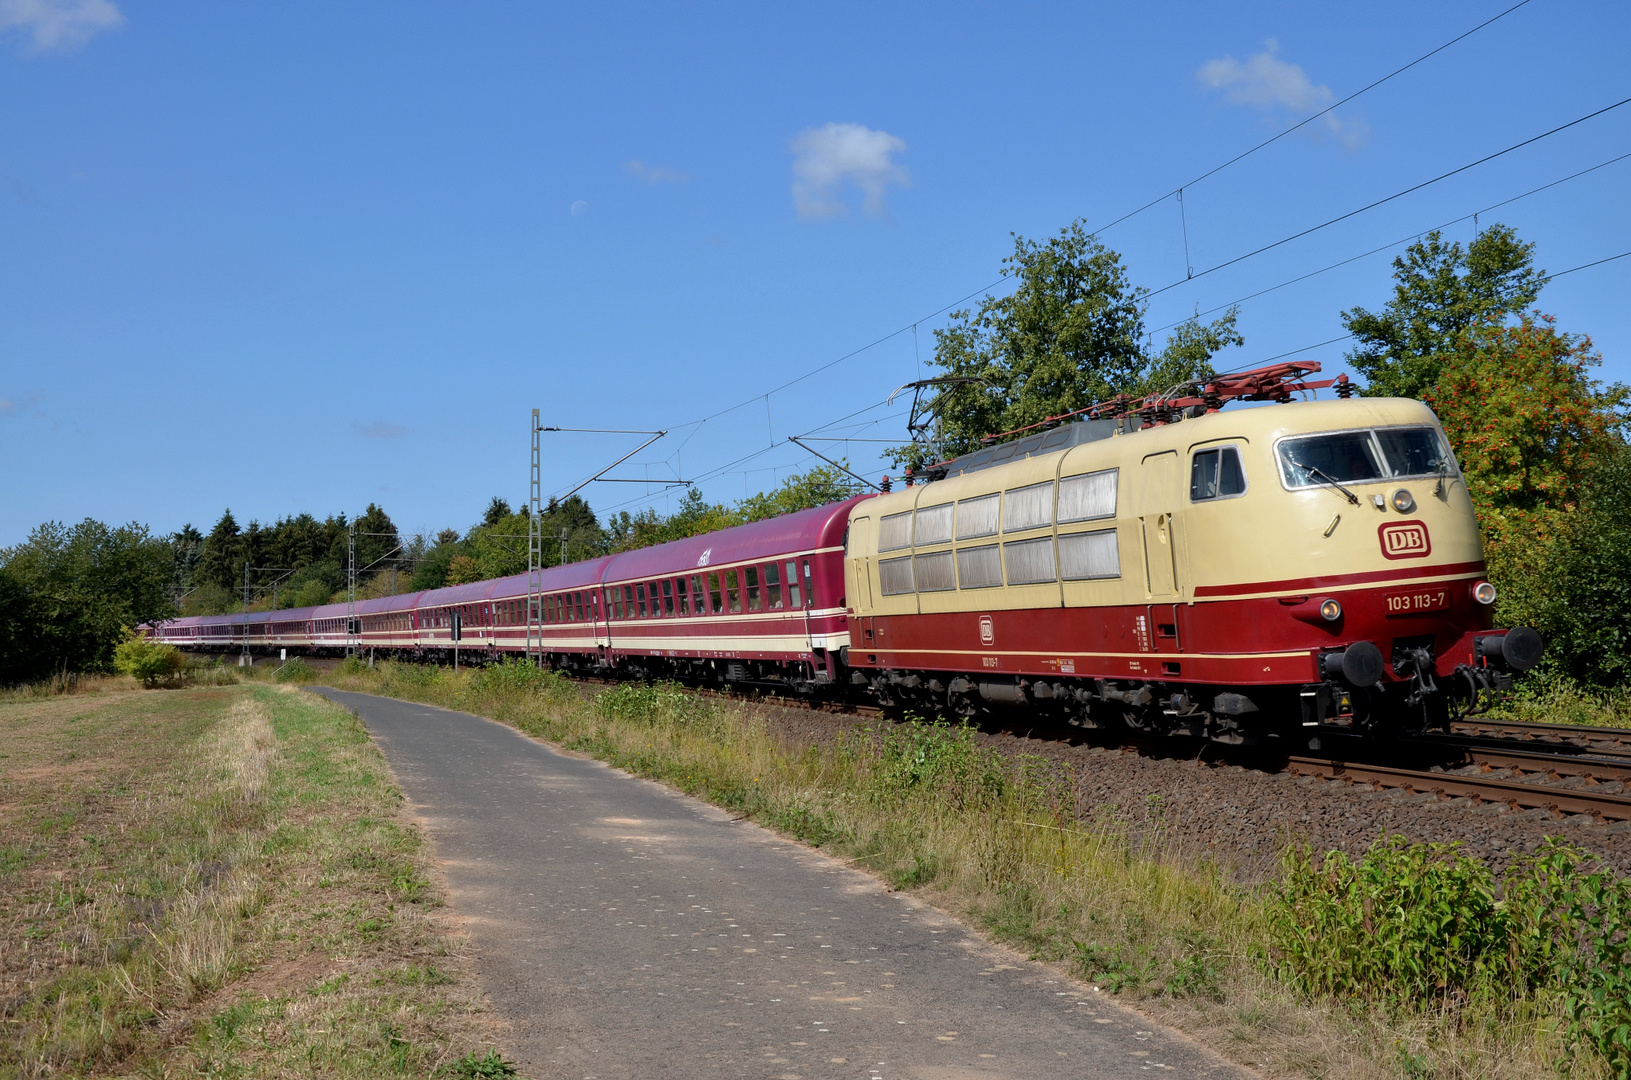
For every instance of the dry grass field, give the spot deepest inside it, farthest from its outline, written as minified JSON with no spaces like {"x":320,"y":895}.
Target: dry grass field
{"x":218,"y":881}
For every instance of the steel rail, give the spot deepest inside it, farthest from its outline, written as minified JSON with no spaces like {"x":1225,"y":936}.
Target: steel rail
{"x":1517,"y":730}
{"x":1599,"y":804}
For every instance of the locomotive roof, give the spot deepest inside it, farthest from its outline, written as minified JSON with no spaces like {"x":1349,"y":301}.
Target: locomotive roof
{"x":1266,"y":422}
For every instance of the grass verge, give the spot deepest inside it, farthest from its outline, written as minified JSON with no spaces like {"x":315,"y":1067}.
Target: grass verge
{"x":991,"y":838}
{"x":217,"y":881}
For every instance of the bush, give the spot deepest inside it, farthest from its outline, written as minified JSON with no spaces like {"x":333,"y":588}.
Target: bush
{"x":153,"y":663}
{"x":295,"y":671}
{"x":1421,"y":924}
{"x":520,"y":676}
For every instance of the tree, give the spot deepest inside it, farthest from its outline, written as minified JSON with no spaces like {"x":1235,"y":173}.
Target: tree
{"x":377,"y":538}
{"x":497,"y":511}
{"x":1579,"y":592}
{"x":1524,"y":416}
{"x":462,"y":570}
{"x":1440,"y":291}
{"x":69,"y":593}
{"x":220,"y":561}
{"x":819,"y":486}
{"x":1070,"y":334}
{"x":1541,"y":446}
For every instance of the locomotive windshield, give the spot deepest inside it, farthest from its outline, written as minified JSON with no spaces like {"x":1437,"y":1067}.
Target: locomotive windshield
{"x":1358,"y":456}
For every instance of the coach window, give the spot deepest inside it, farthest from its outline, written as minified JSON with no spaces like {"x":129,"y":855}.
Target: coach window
{"x":750,"y":578}
{"x":714,"y":604}
{"x":733,"y":593}
{"x":640,"y":598}
{"x":793,"y":585}
{"x":699,"y":602}
{"x":628,"y":601}
{"x":1216,"y":474}
{"x":773,"y":587}
{"x":682,"y":599}
{"x":668,"y":596}
{"x":809,"y":586}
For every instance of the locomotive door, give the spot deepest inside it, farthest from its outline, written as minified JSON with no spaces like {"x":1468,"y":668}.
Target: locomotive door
{"x":1158,"y":498}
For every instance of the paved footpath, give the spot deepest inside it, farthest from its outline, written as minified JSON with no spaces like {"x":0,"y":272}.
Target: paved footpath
{"x":624,"y":930}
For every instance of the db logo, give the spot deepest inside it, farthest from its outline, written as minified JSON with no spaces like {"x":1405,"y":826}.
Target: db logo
{"x":988,"y":636}
{"x":706,"y":552}
{"x":1405,"y":540}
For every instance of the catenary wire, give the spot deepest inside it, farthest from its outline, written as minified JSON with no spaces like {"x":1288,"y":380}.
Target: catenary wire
{"x":1298,"y":126}
{"x":1394,"y":244}
{"x":1396,"y":195}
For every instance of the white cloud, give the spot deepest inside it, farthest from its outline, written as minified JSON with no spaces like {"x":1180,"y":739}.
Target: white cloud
{"x":381,"y":430}
{"x":29,"y":406}
{"x":1266,"y":81}
{"x":834,"y":155}
{"x":579,"y":207}
{"x":656,"y":174}
{"x":59,"y":24}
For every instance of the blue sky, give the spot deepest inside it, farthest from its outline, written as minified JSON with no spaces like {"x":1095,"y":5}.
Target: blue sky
{"x":288,"y":257}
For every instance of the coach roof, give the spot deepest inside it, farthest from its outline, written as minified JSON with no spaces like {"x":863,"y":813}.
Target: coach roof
{"x":807,"y":530}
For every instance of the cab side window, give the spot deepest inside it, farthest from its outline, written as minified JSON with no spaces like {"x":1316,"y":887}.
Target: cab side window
{"x":1216,"y":474}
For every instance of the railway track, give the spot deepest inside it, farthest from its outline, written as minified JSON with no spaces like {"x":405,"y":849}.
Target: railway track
{"x":1553,"y":767}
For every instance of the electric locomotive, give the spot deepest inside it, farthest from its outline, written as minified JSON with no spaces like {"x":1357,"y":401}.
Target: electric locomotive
{"x":1181,"y":570}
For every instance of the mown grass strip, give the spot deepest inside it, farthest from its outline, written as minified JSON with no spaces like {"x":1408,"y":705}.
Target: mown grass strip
{"x":994,"y":839}
{"x":218,"y":882}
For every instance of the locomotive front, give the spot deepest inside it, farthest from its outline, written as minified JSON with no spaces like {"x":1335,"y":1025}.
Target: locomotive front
{"x":1359,"y":544}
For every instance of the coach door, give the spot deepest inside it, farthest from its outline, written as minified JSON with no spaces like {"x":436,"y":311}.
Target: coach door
{"x":1158,"y":498}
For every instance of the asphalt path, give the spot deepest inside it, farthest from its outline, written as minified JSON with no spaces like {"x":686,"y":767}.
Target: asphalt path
{"x":622,"y":929}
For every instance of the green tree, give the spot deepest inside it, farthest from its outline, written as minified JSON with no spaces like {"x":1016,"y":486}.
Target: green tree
{"x":497,"y":511}
{"x":1578,"y":593}
{"x":819,"y":486}
{"x":377,"y":538}
{"x":1440,"y":290}
{"x":1524,"y":416}
{"x":221,"y":562}
{"x":1069,"y":335}
{"x":1541,"y":444}
{"x":69,"y":593}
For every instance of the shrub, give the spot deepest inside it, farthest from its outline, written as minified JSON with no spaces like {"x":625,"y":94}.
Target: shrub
{"x":153,"y":663}
{"x":655,"y":704}
{"x":295,"y":671}
{"x":518,"y":675}
{"x":1422,"y":924}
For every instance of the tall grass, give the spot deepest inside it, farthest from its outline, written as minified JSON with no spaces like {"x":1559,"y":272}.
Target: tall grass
{"x":995,"y":838}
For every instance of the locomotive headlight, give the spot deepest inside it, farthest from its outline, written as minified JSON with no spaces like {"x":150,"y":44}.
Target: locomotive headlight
{"x":1484,"y":593}
{"x":1330,"y":610}
{"x":1403,"y":501}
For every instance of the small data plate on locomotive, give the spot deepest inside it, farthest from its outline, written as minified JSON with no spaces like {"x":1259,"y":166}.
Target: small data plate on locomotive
{"x":1416,"y":601}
